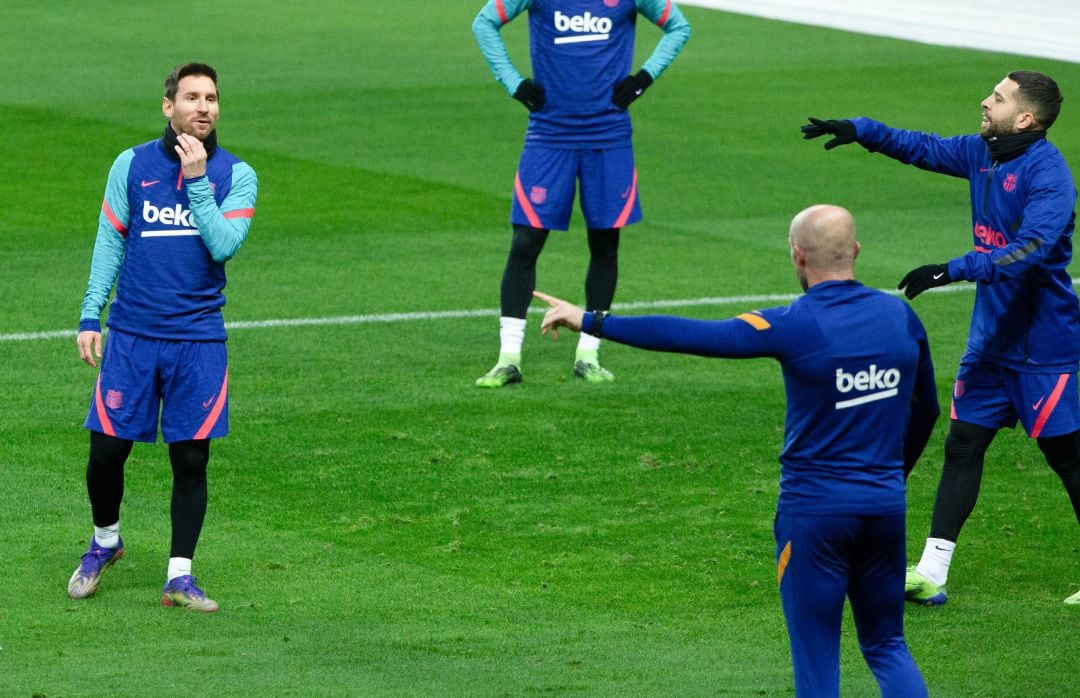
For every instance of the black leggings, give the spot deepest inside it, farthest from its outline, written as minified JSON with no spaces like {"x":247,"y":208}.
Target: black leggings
{"x":105,"y":477}
{"x":961,"y":475}
{"x":519,"y":276}
{"x":105,"y":485}
{"x":1063,"y":455}
{"x":189,"y":459}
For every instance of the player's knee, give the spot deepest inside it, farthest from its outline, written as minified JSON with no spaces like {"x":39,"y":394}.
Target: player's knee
{"x":108,"y":452}
{"x":189,"y":458}
{"x":526,"y":244}
{"x":1062,"y":452}
{"x":966,"y":443}
{"x":604,"y":244}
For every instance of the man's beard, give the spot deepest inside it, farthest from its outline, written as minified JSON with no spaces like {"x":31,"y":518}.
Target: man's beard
{"x":997,"y":129}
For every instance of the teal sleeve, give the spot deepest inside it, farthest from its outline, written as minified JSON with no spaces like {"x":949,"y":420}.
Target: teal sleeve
{"x":109,"y":244}
{"x":224,"y":229}
{"x":486,"y":27}
{"x":676,"y":33}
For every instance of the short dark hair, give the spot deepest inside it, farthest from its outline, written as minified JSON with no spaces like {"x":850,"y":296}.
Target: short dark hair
{"x":182,"y":71}
{"x":1039,"y":93}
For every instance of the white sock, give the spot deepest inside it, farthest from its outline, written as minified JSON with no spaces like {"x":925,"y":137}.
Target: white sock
{"x":108,"y":536}
{"x":178,"y":567}
{"x":587,"y":342}
{"x":936,"y":558}
{"x":511,"y":335}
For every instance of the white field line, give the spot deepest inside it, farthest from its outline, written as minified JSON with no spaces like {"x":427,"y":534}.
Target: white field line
{"x":753,"y":301}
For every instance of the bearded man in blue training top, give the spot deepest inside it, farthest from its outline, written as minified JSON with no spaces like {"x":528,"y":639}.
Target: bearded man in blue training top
{"x":1023,"y":347}
{"x":861,"y":404}
{"x":579,"y":134}
{"x":175,"y":210}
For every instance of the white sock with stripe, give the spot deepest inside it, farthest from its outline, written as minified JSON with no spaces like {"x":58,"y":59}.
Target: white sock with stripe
{"x":936,"y":558}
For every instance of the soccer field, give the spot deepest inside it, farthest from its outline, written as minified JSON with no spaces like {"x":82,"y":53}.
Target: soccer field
{"x":377,"y":525}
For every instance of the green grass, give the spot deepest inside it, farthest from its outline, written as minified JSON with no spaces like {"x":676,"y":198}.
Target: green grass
{"x":377,"y":526}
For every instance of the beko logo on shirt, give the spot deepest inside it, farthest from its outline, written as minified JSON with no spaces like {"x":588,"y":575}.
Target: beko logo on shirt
{"x":882,"y":381}
{"x":586,"y":27}
{"x":177,"y":215}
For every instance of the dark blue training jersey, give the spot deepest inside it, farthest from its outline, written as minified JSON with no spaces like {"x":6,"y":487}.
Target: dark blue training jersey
{"x":579,"y":50}
{"x":1026,"y":314}
{"x":859,"y":381}
{"x":164,"y":241}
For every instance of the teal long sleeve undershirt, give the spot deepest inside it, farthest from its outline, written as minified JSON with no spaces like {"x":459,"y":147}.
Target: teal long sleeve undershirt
{"x":487,"y":24}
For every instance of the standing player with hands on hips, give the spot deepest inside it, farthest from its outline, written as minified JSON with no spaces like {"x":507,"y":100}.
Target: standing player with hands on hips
{"x":579,"y":133}
{"x":861,"y":404}
{"x":1024,"y":342}
{"x":175,"y":210}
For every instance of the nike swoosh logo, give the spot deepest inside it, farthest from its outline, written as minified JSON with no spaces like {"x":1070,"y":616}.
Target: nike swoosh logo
{"x":1037,"y":404}
{"x":938,"y":547}
{"x":148,"y":184}
{"x":938,"y":276}
{"x":206,"y":405}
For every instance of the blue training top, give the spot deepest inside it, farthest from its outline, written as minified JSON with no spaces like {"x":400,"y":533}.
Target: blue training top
{"x":861,"y":399}
{"x":579,"y":50}
{"x":1026,"y":314}
{"x":164,"y":241}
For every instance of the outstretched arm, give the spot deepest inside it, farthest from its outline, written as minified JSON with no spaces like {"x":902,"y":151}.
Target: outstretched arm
{"x":745,"y":336}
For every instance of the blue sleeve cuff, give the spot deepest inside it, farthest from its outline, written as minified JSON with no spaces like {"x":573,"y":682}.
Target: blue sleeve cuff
{"x":89,"y":324}
{"x":588,"y":320}
{"x":200,"y":184}
{"x":956,"y":269}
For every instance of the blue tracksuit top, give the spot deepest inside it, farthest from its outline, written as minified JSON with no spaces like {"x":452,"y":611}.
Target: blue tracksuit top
{"x":1026,"y":314}
{"x":579,"y":50}
{"x":164,"y":241}
{"x":859,"y":381}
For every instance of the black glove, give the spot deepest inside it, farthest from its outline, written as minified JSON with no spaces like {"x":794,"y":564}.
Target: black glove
{"x":921,"y":278}
{"x":531,"y":94}
{"x":843,"y":130}
{"x":630,"y":88}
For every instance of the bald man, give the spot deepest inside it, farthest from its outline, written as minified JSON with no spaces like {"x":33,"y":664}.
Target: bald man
{"x":861,"y":404}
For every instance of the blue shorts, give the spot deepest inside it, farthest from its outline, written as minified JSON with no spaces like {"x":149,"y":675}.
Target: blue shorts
{"x":820,"y":561}
{"x":544,"y":187}
{"x":993,"y":396}
{"x":189,"y":381}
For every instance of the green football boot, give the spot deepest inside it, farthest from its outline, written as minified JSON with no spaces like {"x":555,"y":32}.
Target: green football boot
{"x":587,"y":366}
{"x":505,"y":372}
{"x":918,"y":589}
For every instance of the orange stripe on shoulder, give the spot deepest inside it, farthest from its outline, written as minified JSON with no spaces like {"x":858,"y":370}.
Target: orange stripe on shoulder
{"x":664,"y":15}
{"x":754,"y":320}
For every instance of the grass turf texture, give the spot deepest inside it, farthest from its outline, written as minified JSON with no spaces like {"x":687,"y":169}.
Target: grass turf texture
{"x":376,"y":524}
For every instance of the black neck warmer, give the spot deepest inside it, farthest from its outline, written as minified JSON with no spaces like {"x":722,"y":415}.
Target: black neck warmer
{"x":169,"y":142}
{"x":1005,"y":148}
